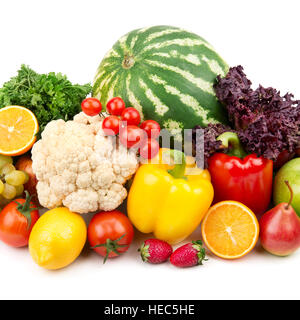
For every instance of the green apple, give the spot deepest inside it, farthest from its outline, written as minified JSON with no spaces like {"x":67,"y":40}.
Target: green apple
{"x":289,"y":172}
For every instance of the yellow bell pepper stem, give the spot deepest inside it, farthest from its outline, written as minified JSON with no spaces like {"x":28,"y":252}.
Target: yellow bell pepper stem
{"x":179,"y":160}
{"x":166,"y":202}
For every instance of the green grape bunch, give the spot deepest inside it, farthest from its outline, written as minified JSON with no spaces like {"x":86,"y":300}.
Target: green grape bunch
{"x":11,"y":180}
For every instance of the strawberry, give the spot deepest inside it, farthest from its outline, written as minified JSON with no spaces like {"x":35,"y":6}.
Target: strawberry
{"x":155,"y":251}
{"x":188,"y":255}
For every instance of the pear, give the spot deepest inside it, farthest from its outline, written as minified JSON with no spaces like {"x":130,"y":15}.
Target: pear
{"x":280,"y":228}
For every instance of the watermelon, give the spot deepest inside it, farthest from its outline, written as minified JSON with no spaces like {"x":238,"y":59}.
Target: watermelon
{"x":167,"y":74}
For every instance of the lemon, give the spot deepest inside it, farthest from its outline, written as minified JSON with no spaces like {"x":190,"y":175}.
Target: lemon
{"x":57,"y":238}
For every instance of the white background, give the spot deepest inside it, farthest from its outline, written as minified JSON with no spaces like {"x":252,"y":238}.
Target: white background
{"x":72,"y":37}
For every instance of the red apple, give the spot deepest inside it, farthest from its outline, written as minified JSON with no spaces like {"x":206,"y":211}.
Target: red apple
{"x":280,"y":229}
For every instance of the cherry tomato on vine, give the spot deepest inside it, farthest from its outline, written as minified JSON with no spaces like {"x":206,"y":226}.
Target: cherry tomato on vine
{"x":149,"y":149}
{"x":110,"y":233}
{"x":115,"y":106}
{"x":91,"y":106}
{"x":111,"y":125}
{"x":131,"y":116}
{"x":151,"y":127}
{"x":132,"y":136}
{"x":17,"y":220}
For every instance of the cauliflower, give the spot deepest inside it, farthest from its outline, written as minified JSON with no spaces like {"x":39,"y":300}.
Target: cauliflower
{"x":79,"y":167}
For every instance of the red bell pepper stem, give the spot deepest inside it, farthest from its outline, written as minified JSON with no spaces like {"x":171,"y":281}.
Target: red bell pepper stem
{"x":231,"y":140}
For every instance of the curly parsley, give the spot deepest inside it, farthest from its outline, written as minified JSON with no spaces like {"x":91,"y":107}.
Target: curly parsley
{"x":49,"y":96}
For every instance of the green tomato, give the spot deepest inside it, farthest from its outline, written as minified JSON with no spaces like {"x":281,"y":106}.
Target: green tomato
{"x":289,"y":172}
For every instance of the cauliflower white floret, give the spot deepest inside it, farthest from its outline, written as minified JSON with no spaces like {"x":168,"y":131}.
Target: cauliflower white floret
{"x":79,"y":167}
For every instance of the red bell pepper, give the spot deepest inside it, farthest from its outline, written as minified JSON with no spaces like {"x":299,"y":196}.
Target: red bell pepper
{"x":240,"y":177}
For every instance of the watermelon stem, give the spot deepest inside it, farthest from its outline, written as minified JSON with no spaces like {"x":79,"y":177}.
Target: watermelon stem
{"x":128,"y":61}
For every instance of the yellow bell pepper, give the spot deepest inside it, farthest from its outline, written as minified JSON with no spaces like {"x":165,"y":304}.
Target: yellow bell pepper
{"x":169,"y":202}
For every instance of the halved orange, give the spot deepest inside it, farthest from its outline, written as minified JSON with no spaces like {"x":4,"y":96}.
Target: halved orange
{"x":18,"y":129}
{"x":230,"y":230}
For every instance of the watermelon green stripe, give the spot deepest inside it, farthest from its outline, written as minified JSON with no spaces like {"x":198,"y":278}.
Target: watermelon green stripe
{"x":133,"y":100}
{"x":111,"y":88}
{"x":179,"y":52}
{"x":140,"y":95}
{"x":120,"y":90}
{"x":167,"y":74}
{"x":157,"y":36}
{"x":180,"y":38}
{"x":182,"y":62}
{"x":212,"y":64}
{"x":112,"y":53}
{"x":186,"y":99}
{"x":198,"y":68}
{"x":146,"y":32}
{"x":102,"y":81}
{"x":166,"y":90}
{"x":104,"y":72}
{"x":98,"y":79}
{"x":182,"y":96}
{"x":189,"y":58}
{"x":131,"y":40}
{"x":184,"y":42}
{"x":173,"y":124}
{"x":160,"y":107}
{"x":118,"y":49}
{"x":205,"y":100}
{"x":199,"y":82}
{"x":105,"y":85}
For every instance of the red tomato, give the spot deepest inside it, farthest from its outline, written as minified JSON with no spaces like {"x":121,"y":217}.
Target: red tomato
{"x":16,"y":222}
{"x":151,"y":127}
{"x":131,"y":116}
{"x":115,"y":106}
{"x":150,"y":149}
{"x":91,"y":106}
{"x":111,"y":125}
{"x":132,"y":136}
{"x":110,"y":233}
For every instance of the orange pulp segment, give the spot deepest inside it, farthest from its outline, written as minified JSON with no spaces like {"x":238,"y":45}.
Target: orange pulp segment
{"x":18,"y":129}
{"x":230,"y":230}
